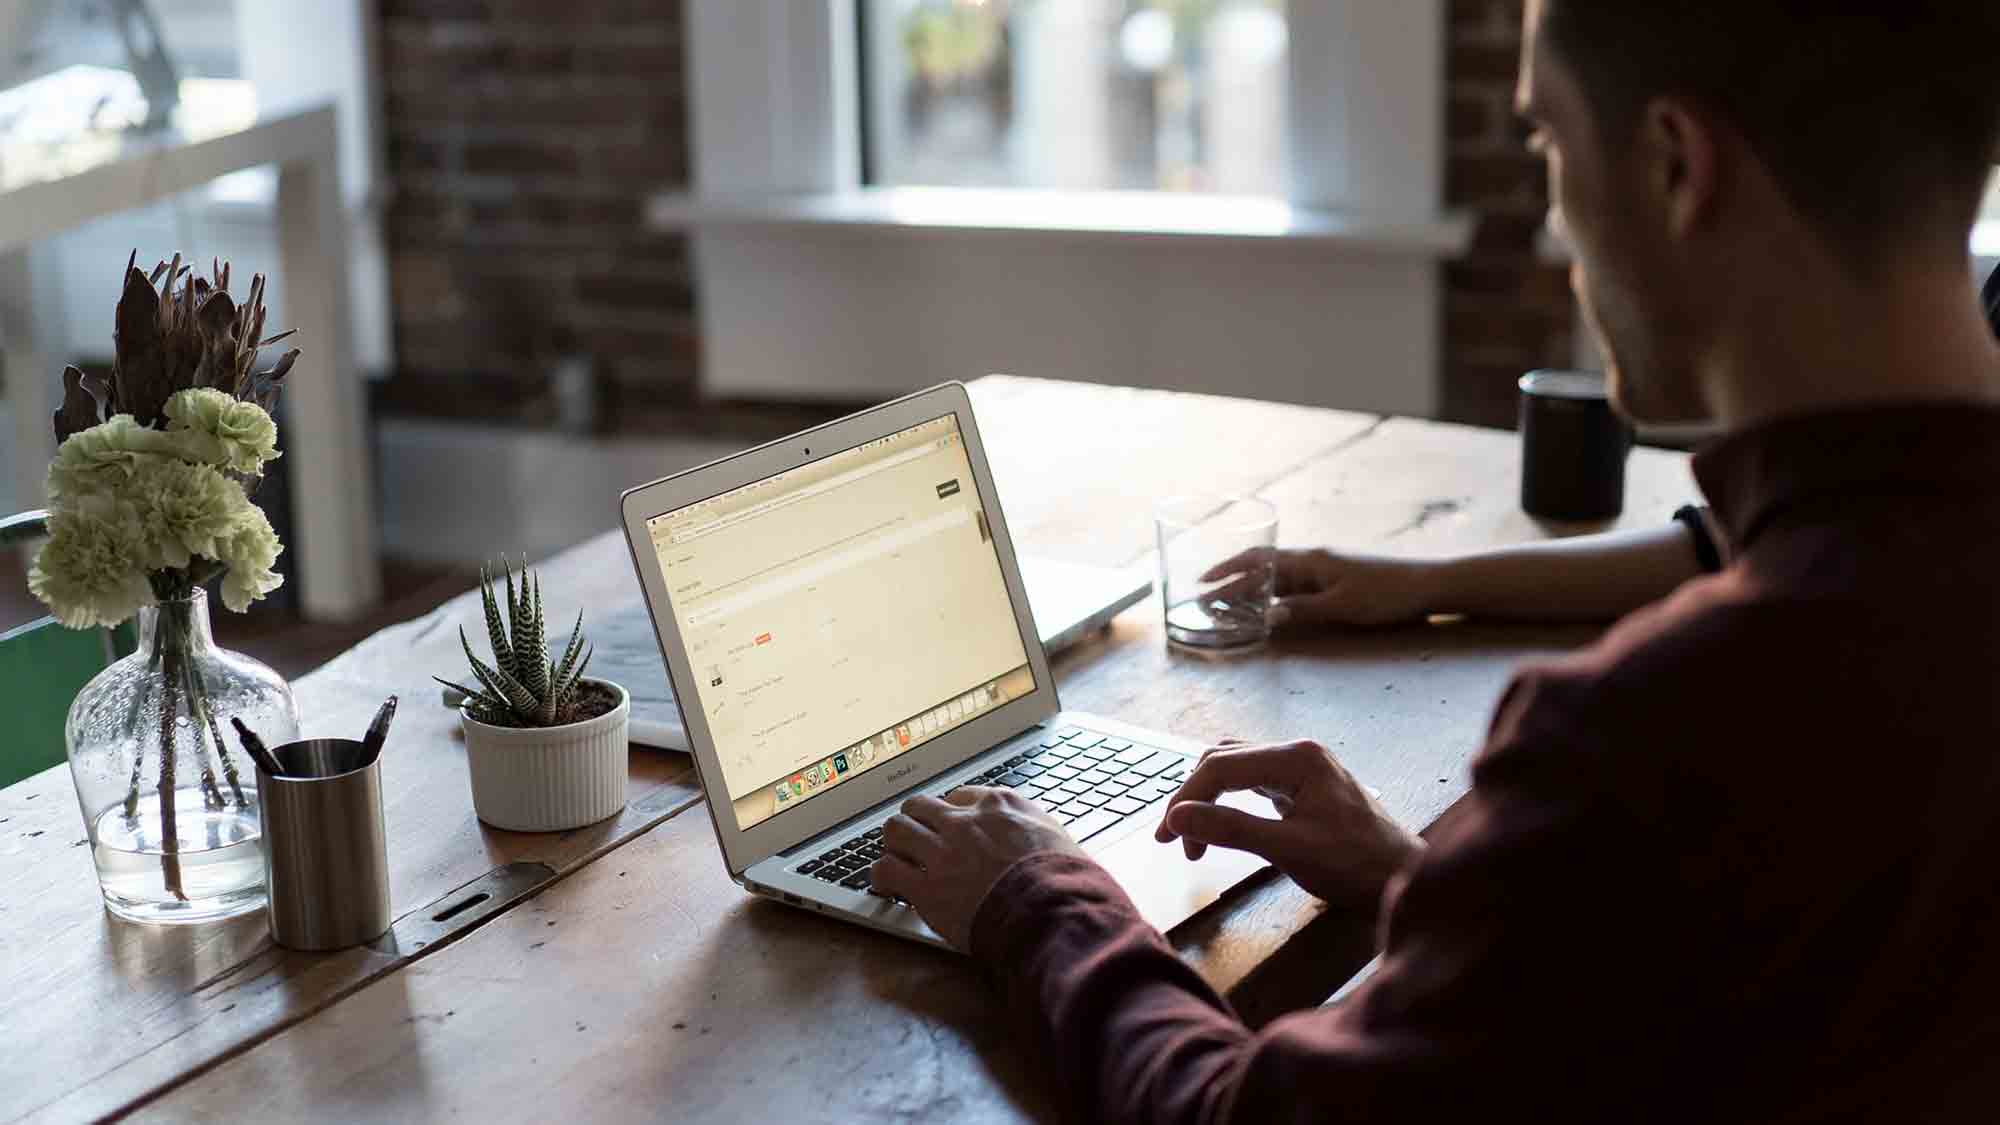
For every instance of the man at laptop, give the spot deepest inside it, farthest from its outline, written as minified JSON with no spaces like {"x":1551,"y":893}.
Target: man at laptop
{"x":1740,"y":858}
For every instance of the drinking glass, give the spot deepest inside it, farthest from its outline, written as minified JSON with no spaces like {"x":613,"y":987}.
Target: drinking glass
{"x":1217,"y":571}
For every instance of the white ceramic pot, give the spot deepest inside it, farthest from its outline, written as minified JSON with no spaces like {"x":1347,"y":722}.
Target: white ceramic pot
{"x":551,"y":779}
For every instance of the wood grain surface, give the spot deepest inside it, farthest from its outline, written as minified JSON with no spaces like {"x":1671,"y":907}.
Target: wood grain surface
{"x":1079,"y":467}
{"x":647,"y":985}
{"x":100,"y":1013}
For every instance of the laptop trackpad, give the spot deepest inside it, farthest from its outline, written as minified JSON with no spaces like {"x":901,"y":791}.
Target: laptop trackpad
{"x":1167,"y":888}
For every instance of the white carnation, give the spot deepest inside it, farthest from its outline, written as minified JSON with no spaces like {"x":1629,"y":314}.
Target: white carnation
{"x":126,"y":500}
{"x":222,"y":429}
{"x":188,"y":511}
{"x":250,"y":552}
{"x":92,"y":572}
{"x":106,"y":455}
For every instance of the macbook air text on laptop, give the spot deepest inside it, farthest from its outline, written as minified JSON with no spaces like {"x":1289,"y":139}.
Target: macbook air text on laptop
{"x":845,"y":626}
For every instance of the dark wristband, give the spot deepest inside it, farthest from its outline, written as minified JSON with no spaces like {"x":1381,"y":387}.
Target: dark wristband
{"x":1705,"y":551}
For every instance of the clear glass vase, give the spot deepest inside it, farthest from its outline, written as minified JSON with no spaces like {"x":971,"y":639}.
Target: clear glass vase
{"x":169,"y":797}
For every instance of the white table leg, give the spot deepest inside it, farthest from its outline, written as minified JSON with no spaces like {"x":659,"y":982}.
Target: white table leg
{"x":32,"y":333}
{"x":333,"y":497}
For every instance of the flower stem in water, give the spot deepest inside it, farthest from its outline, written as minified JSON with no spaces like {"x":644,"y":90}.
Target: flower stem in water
{"x":211,"y":793}
{"x":132,"y":723}
{"x":204,"y":711}
{"x":170,"y":833}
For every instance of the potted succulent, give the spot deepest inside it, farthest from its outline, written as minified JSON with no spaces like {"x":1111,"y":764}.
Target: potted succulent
{"x":545,"y":745}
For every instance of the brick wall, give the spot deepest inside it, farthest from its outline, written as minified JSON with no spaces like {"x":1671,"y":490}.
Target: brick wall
{"x":1505,"y":312}
{"x":523,"y":138}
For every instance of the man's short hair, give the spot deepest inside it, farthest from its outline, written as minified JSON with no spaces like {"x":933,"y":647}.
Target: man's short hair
{"x":1879,"y":119}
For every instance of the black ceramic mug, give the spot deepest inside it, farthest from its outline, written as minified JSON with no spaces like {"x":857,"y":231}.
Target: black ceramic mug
{"x":1573,"y":447}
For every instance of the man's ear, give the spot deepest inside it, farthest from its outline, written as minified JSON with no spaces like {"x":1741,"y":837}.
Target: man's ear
{"x":1679,"y":147}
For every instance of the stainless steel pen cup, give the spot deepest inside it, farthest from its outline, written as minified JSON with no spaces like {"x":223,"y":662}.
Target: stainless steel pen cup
{"x":326,"y":862}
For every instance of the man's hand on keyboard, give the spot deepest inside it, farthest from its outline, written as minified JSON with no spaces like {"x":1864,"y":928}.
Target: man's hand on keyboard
{"x":942,"y":857}
{"x":1331,"y":838}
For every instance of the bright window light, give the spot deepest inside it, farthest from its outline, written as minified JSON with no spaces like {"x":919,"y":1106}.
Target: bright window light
{"x":1078,"y":95}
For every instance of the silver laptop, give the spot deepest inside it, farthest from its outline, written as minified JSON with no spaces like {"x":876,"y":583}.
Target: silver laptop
{"x":1072,"y":601}
{"x":846,"y":627}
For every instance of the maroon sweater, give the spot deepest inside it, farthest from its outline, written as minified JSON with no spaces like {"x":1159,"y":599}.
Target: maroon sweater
{"x":1737,"y":861}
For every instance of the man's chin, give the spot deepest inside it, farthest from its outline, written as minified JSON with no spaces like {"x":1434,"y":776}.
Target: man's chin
{"x":1641,"y":405}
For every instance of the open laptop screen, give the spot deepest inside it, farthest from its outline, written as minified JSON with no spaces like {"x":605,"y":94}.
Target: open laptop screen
{"x":841,"y":614}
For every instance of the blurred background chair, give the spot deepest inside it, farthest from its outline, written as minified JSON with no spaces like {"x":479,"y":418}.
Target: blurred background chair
{"x":42,"y":667}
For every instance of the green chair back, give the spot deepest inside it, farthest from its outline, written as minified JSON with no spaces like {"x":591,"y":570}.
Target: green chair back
{"x":42,"y":667}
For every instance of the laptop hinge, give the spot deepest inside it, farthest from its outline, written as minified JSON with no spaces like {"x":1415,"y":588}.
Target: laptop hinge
{"x":878,"y":810}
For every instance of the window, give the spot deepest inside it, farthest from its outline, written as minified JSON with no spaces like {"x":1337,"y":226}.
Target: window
{"x":1169,"y":95}
{"x":806,"y":134}
{"x":94,"y":64}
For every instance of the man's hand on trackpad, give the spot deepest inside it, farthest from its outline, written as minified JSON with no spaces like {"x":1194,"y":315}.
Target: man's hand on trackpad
{"x":1330,"y":837}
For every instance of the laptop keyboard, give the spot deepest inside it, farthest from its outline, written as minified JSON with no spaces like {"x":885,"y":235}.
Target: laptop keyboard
{"x":1088,"y":781}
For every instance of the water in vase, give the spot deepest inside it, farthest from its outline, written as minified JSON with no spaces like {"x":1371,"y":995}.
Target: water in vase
{"x":153,"y":720}
{"x":220,"y":859}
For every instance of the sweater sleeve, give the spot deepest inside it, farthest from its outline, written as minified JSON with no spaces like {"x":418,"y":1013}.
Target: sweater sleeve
{"x":1497,"y":963}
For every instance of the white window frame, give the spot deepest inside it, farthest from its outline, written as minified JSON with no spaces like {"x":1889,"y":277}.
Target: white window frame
{"x":1332,"y":298}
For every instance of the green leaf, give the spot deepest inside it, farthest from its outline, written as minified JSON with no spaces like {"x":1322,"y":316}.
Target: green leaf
{"x":562,"y":687}
{"x":532,"y":653}
{"x":488,"y":678}
{"x":461,"y":689}
{"x":474,"y":697}
{"x":519,"y":698}
{"x":526,"y":605}
{"x":494,"y":717}
{"x":568,"y":687}
{"x":513,"y":618}
{"x":503,"y":653}
{"x":571,"y":651}
{"x":499,"y":683}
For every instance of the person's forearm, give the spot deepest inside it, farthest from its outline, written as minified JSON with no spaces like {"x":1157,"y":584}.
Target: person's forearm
{"x":1130,"y":1031}
{"x":1588,"y":578}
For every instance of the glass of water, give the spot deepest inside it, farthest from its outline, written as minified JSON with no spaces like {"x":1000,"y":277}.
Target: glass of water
{"x":1217,"y":570}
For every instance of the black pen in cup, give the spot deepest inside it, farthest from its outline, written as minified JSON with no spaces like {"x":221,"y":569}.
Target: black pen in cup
{"x":378,"y":733}
{"x":255,"y":747}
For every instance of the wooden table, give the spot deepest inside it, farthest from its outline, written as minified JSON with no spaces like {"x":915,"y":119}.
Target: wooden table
{"x":616,"y":972}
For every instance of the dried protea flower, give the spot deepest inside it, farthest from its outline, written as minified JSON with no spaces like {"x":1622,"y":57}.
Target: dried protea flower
{"x":170,"y":339}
